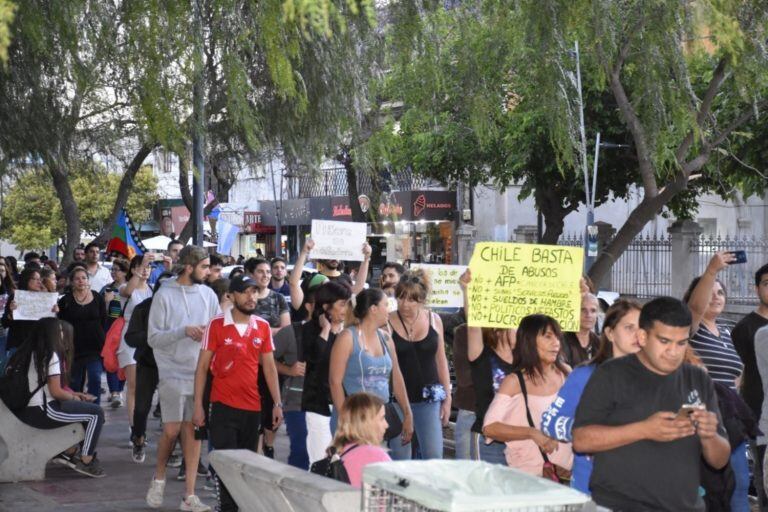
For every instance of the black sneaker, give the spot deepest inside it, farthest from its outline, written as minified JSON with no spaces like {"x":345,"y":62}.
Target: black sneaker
{"x":182,"y":471}
{"x":139,"y":453}
{"x":201,"y":470}
{"x":92,"y":469}
{"x":268,"y":451}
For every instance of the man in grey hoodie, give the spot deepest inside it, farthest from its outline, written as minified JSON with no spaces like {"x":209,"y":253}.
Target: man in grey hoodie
{"x":180,"y":311}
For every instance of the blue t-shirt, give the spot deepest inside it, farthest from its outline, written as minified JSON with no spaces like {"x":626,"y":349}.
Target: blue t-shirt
{"x":557,"y":422}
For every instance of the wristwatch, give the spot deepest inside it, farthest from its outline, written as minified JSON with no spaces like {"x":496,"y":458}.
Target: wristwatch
{"x":279,"y":405}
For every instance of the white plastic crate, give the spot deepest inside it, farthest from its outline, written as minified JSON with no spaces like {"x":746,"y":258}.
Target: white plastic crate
{"x":464,"y":486}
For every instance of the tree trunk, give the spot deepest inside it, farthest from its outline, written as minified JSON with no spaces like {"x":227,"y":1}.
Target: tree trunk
{"x":345,"y":158}
{"x":222,"y":194}
{"x":549,"y":204}
{"x":123,"y":191}
{"x":638,"y":218}
{"x":69,"y":209}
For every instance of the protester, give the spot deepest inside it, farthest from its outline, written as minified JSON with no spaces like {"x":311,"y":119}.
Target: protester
{"x":360,"y":434}
{"x":49,"y":280}
{"x":166,"y":264}
{"x":648,"y":446}
{"x":619,"y":338}
{"x":317,"y":337}
{"x":488,"y":354}
{"x":390,"y":276}
{"x":418,"y":338}
{"x":217,"y":264}
{"x":78,"y":256}
{"x":514,"y":415}
{"x":18,"y":330}
{"x":7,"y":288}
{"x":237,"y":271}
{"x":278,"y":282}
{"x":744,"y":341}
{"x":236,"y":347}
{"x":272,"y":307}
{"x":51,"y":406}
{"x":328,"y":268}
{"x":114,"y":303}
{"x":85,"y":310}
{"x":134,"y":291}
{"x":364,"y":359}
{"x":180,"y":311}
{"x":581,"y":346}
{"x":98,"y":275}
{"x":32,"y":260}
{"x":706,"y":297}
{"x":146,"y":370}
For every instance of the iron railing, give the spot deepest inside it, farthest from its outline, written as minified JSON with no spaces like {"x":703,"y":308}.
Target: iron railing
{"x":333,"y":182}
{"x":739,"y":280}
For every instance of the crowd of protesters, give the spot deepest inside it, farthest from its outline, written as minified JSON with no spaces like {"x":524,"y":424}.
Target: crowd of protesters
{"x":646,"y":407}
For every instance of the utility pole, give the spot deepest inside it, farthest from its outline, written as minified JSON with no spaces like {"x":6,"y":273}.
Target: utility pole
{"x":198,"y":133}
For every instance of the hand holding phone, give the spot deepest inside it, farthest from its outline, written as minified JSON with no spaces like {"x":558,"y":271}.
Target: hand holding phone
{"x":686,"y":410}
{"x":741,"y":257}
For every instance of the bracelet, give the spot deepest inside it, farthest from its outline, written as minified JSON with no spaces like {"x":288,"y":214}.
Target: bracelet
{"x":280,"y":406}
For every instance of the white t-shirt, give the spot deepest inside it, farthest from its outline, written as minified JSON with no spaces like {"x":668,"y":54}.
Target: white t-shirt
{"x":100,"y":279}
{"x":54,"y":368}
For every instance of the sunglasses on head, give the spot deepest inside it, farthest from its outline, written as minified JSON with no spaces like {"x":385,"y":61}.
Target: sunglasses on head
{"x":411,"y":279}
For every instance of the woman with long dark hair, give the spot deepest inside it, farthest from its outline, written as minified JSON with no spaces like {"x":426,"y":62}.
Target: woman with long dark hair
{"x":514,"y":416}
{"x":18,"y":330}
{"x":52,"y":406}
{"x":318,"y":336}
{"x":85,"y":310}
{"x":363,"y":357}
{"x":114,"y":303}
{"x":619,"y":338}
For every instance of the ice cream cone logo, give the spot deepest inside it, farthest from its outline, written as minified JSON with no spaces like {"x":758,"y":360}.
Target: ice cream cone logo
{"x":419,"y":205}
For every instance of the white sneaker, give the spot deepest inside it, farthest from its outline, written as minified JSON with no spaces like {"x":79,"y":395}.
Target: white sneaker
{"x":193,"y":504}
{"x":155,"y":493}
{"x":115,"y":401}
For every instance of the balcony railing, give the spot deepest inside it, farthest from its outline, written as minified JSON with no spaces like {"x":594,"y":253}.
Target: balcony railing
{"x":333,"y":182}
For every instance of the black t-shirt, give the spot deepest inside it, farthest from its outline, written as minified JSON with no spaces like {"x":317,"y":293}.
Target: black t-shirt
{"x":271,"y":307}
{"x":88,"y":324}
{"x":743,"y":336}
{"x":574,"y":353}
{"x":316,"y":352}
{"x":646,"y":475}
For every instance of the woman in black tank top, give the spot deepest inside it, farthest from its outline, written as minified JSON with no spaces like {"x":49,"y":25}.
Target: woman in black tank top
{"x":418,"y":337}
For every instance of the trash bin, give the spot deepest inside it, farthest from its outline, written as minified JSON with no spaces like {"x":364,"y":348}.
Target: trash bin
{"x":464,"y":486}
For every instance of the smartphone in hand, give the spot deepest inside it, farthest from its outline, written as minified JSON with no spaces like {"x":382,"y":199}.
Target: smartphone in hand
{"x":741,"y":257}
{"x":686,"y":410}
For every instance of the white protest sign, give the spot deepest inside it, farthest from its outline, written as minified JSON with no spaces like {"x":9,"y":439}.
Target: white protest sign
{"x":336,"y":240}
{"x":446,"y":292}
{"x":34,"y":305}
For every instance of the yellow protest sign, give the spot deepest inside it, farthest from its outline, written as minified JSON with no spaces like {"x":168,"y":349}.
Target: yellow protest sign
{"x":510,"y":281}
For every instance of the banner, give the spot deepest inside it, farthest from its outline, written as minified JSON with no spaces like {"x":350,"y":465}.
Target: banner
{"x":335,"y":240}
{"x":446,"y":292}
{"x":511,"y":281}
{"x":34,"y":305}
{"x":226,"y":234}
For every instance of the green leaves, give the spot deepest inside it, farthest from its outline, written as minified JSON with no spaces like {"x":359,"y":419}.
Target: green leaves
{"x":7,"y":10}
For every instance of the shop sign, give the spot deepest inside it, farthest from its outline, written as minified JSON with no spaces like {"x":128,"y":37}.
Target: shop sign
{"x":433,"y":204}
{"x":252,"y":223}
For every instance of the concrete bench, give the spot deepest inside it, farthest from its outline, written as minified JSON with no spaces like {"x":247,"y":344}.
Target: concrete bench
{"x":258,"y":483}
{"x":24,"y":450}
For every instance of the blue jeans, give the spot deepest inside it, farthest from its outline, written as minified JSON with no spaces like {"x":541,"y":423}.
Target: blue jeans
{"x":492,"y":453}
{"x":739,"y":499}
{"x":114,"y":384}
{"x":462,"y":433}
{"x":427,"y":429}
{"x":296,"y":426}
{"x":93,"y":369}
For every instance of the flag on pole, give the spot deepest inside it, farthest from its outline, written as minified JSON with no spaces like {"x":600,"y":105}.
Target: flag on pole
{"x":125,"y":239}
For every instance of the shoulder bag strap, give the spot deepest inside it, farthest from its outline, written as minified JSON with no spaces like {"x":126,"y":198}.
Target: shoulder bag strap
{"x":524,"y":391}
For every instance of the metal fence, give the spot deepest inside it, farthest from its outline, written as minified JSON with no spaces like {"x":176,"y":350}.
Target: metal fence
{"x":739,"y":280}
{"x":333,"y":182}
{"x":643,"y":270}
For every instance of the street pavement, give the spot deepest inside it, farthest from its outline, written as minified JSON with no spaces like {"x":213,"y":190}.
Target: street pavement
{"x":125,"y":485}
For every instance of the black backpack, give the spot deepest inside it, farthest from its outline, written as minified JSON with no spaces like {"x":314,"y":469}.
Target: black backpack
{"x":14,"y":383}
{"x":332,"y":466}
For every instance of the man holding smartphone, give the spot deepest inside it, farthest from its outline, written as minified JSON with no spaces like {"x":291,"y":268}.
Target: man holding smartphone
{"x":648,"y":418}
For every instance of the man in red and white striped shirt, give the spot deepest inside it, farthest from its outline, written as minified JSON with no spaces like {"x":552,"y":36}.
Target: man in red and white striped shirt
{"x":236,"y":345}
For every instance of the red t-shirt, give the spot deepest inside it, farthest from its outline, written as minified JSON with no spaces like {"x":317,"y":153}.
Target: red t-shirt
{"x":235,"y":363}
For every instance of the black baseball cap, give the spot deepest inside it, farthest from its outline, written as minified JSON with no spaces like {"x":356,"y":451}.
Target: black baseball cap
{"x":241,"y":283}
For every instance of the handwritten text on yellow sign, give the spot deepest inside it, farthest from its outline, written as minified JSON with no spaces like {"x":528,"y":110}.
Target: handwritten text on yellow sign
{"x":511,"y":281}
